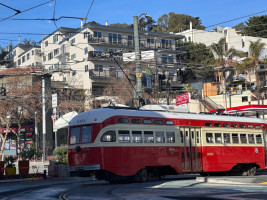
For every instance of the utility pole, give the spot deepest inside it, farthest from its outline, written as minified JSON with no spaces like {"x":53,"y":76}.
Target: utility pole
{"x":44,"y":118}
{"x":137,"y":61}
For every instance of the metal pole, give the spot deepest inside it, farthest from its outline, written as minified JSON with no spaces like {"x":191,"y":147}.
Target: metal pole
{"x":44,"y":118}
{"x":36,"y":131}
{"x":137,"y":61}
{"x":55,"y":139}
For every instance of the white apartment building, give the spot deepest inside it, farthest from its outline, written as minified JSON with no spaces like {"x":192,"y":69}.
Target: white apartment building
{"x":234,"y":39}
{"x":23,"y":55}
{"x":81,"y":57}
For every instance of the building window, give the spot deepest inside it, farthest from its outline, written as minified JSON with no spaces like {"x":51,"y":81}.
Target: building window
{"x":86,"y":68}
{"x":85,"y":35}
{"x":50,"y":68}
{"x":14,"y":53}
{"x":99,"y":68}
{"x":44,"y":58}
{"x":46,"y":43}
{"x":130,"y":40}
{"x":55,"y":38}
{"x":56,"y":51}
{"x":97,"y":34}
{"x":32,"y":52}
{"x":19,"y":62}
{"x":245,"y":99}
{"x":72,"y":41}
{"x":73,"y":56}
{"x":23,"y":59}
{"x":50,"y":56}
{"x":28,"y":56}
{"x":85,"y":50}
{"x":243,"y":43}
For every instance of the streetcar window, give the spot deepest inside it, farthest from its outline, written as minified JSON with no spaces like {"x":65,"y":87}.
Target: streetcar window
{"x":137,"y":136}
{"x":197,"y":135}
{"x":160,"y":137}
{"x":250,"y":126}
{"x":147,"y":121}
{"x":75,"y":135}
{"x":235,"y":138}
{"x":217,"y":124}
{"x":243,"y":138}
{"x":124,"y":136}
{"x":86,"y":134}
{"x":170,"y":137}
{"x":109,"y":136}
{"x":226,"y":137}
{"x":193,"y":137}
{"x":207,"y":124}
{"x":242,"y":126}
{"x":258,"y":139}
{"x":136,"y":121}
{"x":257,"y":126}
{"x":218,"y":138}
{"x":251,"y":139}
{"x":209,"y":137}
{"x":148,"y":136}
{"x":186,"y":137}
{"x":169,"y":122}
{"x":123,"y":120}
{"x":181,"y":136}
{"x":158,"y":122}
{"x":225,"y":125}
{"x":234,"y":125}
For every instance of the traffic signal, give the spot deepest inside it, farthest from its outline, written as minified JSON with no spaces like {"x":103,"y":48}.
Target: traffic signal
{"x":3,"y":91}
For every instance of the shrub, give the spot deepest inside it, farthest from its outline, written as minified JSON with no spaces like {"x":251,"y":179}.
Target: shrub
{"x":61,"y":154}
{"x":10,"y":161}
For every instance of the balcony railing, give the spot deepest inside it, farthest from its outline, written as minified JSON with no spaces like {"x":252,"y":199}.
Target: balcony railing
{"x":94,"y":55}
{"x":105,"y":74}
{"x":129,"y":43}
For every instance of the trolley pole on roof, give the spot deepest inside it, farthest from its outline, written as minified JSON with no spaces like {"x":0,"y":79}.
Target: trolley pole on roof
{"x":137,"y":61}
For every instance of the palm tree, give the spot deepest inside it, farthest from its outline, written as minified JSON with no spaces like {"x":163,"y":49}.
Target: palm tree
{"x":255,"y":49}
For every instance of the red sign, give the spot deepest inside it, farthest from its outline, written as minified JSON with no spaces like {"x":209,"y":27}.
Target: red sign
{"x":182,"y":99}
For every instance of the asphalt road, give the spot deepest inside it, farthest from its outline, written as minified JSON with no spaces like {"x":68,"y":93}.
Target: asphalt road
{"x":179,"y":187}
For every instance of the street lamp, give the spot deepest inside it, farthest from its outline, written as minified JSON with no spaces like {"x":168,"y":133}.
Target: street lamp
{"x":139,"y":94}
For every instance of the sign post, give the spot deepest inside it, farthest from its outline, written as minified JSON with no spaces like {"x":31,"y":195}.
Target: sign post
{"x":54,"y":116}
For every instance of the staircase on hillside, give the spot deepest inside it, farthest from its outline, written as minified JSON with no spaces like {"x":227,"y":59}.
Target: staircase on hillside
{"x":209,"y":104}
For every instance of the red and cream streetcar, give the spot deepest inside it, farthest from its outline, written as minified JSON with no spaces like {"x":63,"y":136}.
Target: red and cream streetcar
{"x":119,"y":144}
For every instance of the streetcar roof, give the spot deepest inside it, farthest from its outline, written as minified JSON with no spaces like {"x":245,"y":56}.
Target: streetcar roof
{"x":100,"y":115}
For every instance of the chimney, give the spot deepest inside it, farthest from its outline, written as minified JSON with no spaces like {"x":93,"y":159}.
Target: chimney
{"x":19,"y":39}
{"x":106,"y":22}
{"x":81,"y":23}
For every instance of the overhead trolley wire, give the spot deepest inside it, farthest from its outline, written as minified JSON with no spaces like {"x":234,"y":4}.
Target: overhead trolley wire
{"x":26,"y":10}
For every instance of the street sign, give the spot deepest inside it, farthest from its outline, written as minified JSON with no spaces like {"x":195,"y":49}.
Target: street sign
{"x":138,"y":75}
{"x":182,"y":99}
{"x":54,"y":100}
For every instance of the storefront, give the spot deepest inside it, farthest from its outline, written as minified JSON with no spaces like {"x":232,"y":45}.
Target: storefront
{"x":26,"y":138}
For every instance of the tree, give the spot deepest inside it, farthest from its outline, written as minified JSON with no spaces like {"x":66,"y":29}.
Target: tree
{"x":255,"y":49}
{"x":146,"y":23}
{"x":221,"y":53}
{"x":177,"y":22}
{"x":256,"y":26}
{"x":124,"y":25}
{"x":198,"y":57}
{"x":240,"y":27}
{"x":11,"y":113}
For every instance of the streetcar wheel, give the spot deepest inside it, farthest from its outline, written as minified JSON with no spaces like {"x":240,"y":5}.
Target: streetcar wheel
{"x":143,"y":175}
{"x":252,"y":170}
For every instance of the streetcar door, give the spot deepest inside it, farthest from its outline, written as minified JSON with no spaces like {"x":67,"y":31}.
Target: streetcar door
{"x":265,"y":145}
{"x":195,"y":149}
{"x":186,"y":151}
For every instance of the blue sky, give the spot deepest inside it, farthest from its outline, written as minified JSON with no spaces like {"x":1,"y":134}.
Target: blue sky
{"x":116,"y":11}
